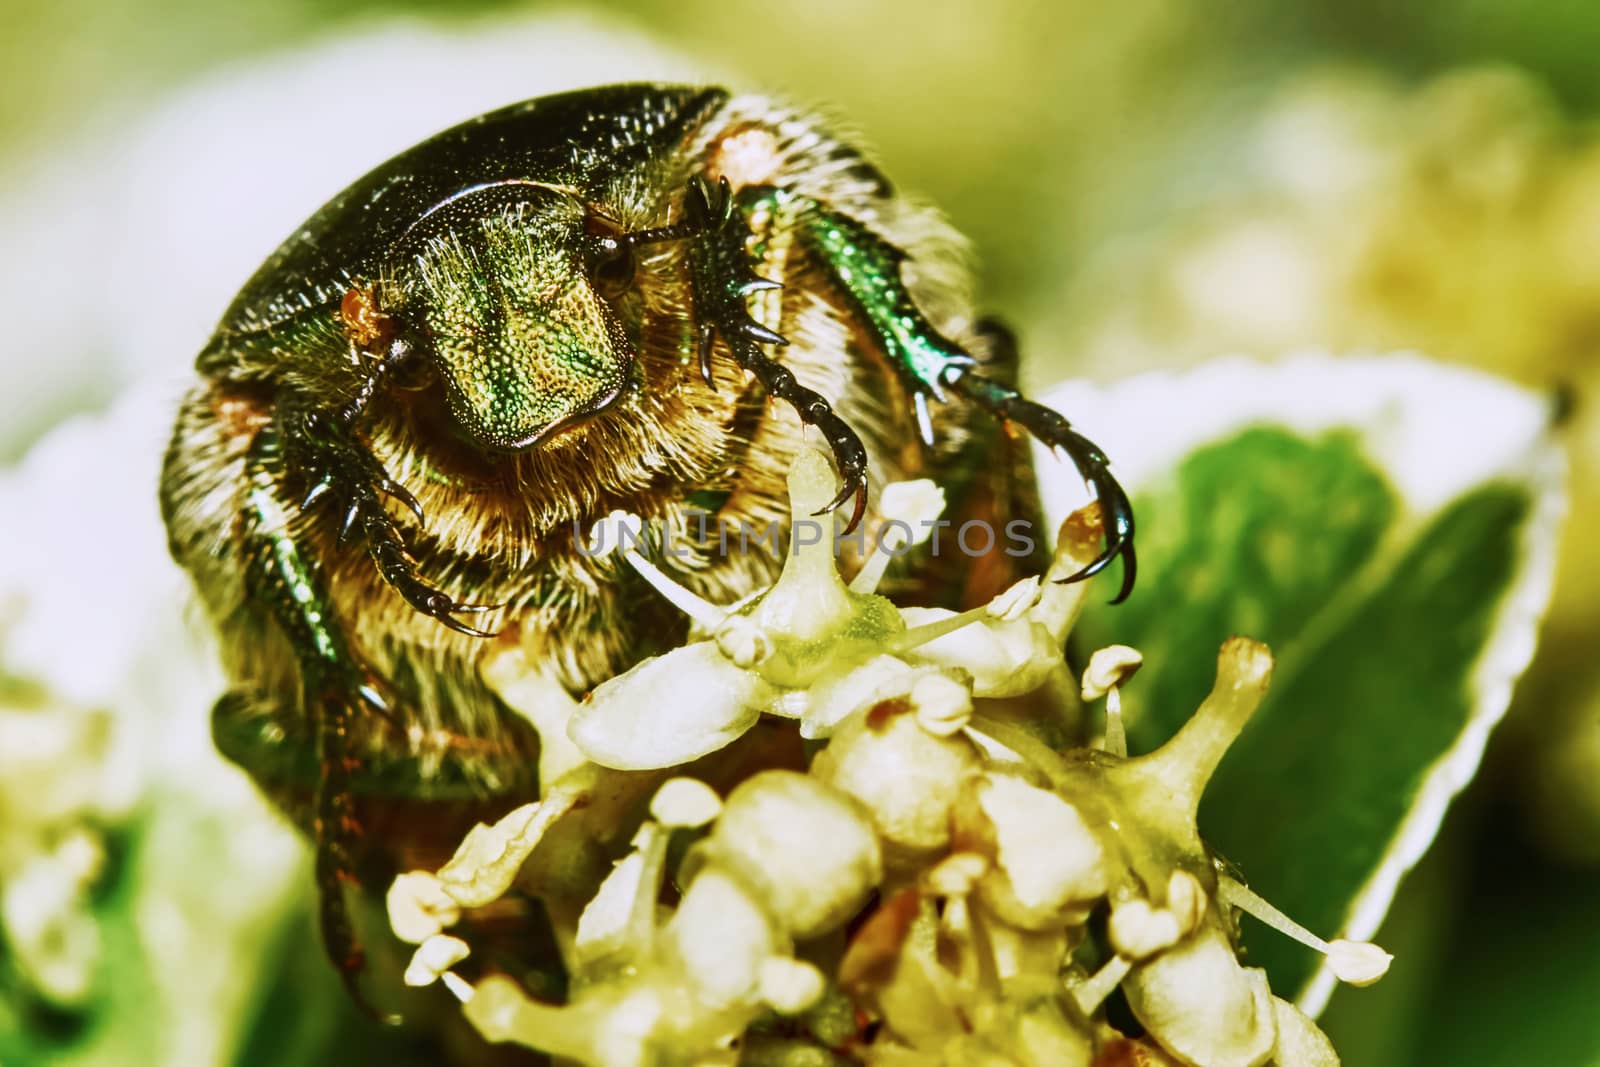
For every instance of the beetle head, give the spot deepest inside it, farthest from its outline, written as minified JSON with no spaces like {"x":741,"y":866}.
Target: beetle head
{"x":508,"y":287}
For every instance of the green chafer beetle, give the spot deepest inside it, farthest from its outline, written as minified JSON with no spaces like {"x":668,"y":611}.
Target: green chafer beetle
{"x":576,"y":304}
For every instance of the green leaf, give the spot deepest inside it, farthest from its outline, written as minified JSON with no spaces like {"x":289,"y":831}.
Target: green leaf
{"x":1387,"y":526}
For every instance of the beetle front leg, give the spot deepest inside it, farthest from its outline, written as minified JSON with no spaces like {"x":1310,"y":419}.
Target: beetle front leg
{"x":327,"y":464}
{"x":722,"y":279}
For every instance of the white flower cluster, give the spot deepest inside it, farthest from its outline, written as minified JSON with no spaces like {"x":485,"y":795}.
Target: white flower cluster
{"x":910,"y":877}
{"x":51,"y":852}
{"x":109,"y":784}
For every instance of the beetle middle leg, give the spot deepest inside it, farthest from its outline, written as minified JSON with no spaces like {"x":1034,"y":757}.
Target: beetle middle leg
{"x":335,"y":688}
{"x":1052,"y":428}
{"x":867,"y":271}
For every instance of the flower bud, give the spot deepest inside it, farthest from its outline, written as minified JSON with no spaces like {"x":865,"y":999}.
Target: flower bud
{"x":1049,"y":865}
{"x":721,"y":935}
{"x":905,"y":777}
{"x":806,"y":848}
{"x":790,"y":986}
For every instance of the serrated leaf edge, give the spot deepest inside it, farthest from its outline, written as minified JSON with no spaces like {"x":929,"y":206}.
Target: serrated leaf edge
{"x":1500,"y":663}
{"x":1540,"y":464}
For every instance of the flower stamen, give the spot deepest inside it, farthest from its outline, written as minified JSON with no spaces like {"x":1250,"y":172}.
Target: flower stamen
{"x":1356,"y":963}
{"x":1108,"y":669}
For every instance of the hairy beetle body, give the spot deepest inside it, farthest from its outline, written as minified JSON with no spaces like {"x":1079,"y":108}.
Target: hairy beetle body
{"x":551,"y":312}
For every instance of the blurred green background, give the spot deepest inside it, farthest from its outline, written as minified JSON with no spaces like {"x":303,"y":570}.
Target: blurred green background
{"x":1145,"y":183}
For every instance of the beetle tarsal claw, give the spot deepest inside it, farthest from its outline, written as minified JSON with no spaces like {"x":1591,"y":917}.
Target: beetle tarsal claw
{"x":1118,"y":516}
{"x":1052,"y":429}
{"x":853,"y":486}
{"x":462,"y":628}
{"x":849,"y":455}
{"x":438,"y":604}
{"x":393,"y":489}
{"x":448,"y":618}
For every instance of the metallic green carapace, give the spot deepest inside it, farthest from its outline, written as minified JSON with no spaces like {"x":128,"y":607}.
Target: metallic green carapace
{"x":637,"y":297}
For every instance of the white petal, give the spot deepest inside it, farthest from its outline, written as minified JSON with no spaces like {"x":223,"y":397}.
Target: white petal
{"x":1004,"y":658}
{"x":1202,"y":1006}
{"x":915,"y":503}
{"x":604,"y":925}
{"x":1300,"y":1043}
{"x":1048,"y":862}
{"x":721,"y":934}
{"x":907,"y":778}
{"x":489,"y":857}
{"x":537,"y":696}
{"x":669,"y":710}
{"x":834,"y":700}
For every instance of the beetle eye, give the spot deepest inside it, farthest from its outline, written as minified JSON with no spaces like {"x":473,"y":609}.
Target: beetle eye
{"x":611,"y":267}
{"x":610,"y":257}
{"x":413,"y":374}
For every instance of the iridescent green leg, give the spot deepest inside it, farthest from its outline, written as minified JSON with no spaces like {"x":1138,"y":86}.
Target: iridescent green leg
{"x":336,"y":687}
{"x":866,"y":269}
